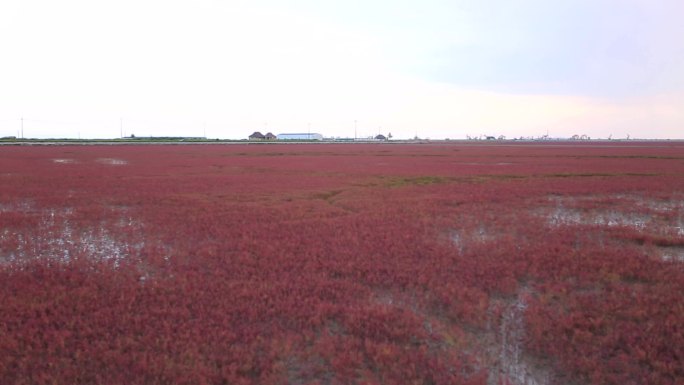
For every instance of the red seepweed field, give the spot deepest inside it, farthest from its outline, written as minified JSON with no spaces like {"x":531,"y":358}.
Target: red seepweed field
{"x":498,"y":264}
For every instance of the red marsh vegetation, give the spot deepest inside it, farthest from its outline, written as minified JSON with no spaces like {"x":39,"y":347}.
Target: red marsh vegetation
{"x":342,"y":264}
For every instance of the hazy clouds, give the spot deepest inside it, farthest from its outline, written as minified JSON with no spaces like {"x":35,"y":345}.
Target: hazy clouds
{"x":438,"y":68}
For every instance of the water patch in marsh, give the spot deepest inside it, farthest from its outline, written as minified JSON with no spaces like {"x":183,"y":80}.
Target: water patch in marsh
{"x":672,"y":254}
{"x":61,"y":235}
{"x":56,"y":234}
{"x":655,"y":216}
{"x":464,"y":237}
{"x":563,"y":216}
{"x":64,"y":161}
{"x":23,"y":206}
{"x":512,"y":365}
{"x":112,"y":161}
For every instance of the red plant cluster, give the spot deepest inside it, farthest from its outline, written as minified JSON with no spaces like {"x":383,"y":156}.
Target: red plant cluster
{"x":339,"y":264}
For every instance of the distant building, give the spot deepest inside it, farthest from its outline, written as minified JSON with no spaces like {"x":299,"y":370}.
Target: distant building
{"x":270,"y":136}
{"x":305,"y":136}
{"x":257,"y":136}
{"x":380,"y":137}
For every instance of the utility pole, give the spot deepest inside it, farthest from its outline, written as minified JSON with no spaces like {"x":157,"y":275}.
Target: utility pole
{"x":354,"y":130}
{"x":22,"y":127}
{"x":121,"y":126}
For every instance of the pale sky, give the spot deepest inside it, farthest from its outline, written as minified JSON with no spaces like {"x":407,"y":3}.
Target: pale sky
{"x":432,"y":68}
